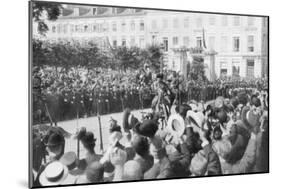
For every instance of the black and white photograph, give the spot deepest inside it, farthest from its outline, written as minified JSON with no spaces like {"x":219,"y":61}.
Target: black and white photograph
{"x":123,"y":94}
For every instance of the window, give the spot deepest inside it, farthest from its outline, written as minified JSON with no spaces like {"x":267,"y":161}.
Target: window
{"x":165,"y":23}
{"x":85,"y":28}
{"x":60,"y":28}
{"x":154,"y":39}
{"x":54,"y":29}
{"x":154,"y":24}
{"x":94,"y":27}
{"x":142,"y":44}
{"x":132,"y":41}
{"x":250,"y":43}
{"x":114,"y":42}
{"x":65,"y":28}
{"x":199,"y":22}
{"x":132,"y":25}
{"x":105,"y":26}
{"x":80,"y":28}
{"x":123,"y":26}
{"x":175,"y":41}
{"x":186,"y":41}
{"x":71,"y":28}
{"x":123,"y":41}
{"x":251,"y":21}
{"x":76,"y":28}
{"x":236,"y":44}
{"x":94,"y":11}
{"x":114,"y":26}
{"x":223,"y":68}
{"x":224,"y":21}
{"x":235,"y":67}
{"x":175,"y":23}
{"x":236,"y":21}
{"x":223,"y":44}
{"x":114,"y":10}
{"x":212,"y":43}
{"x":212,"y":20}
{"x":186,"y":22}
{"x":199,"y":42}
{"x":250,"y":68}
{"x":166,"y":44}
{"x":141,"y":25}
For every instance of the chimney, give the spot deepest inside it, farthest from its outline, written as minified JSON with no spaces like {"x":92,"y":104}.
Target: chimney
{"x":75,"y":11}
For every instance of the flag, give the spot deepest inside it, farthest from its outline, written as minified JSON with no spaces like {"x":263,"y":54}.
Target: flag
{"x":204,"y":41}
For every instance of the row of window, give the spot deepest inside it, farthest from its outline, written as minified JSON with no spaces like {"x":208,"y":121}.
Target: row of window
{"x":236,"y":21}
{"x":96,"y":27}
{"x":250,"y":67}
{"x":236,"y":47}
{"x":103,"y":27}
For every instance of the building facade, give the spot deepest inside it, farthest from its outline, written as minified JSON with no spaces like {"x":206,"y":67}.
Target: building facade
{"x":240,"y":42}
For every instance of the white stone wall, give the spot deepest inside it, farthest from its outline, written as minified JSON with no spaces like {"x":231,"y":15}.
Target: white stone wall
{"x":162,"y":24}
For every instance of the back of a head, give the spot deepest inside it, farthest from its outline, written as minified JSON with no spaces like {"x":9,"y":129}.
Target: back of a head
{"x":140,"y":145}
{"x":132,"y":171}
{"x":94,"y":172}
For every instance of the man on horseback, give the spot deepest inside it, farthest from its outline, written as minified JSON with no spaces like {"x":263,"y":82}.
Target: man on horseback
{"x":164,"y":98}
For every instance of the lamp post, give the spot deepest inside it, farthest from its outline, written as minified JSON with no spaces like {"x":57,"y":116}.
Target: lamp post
{"x":162,"y":48}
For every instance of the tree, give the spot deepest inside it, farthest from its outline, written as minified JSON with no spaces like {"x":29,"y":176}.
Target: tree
{"x":40,"y":52}
{"x":153,"y":55}
{"x":90,"y":55}
{"x":124,"y":57}
{"x":52,"y":10}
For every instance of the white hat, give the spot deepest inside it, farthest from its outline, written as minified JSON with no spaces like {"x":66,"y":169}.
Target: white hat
{"x":176,"y":125}
{"x":54,"y":174}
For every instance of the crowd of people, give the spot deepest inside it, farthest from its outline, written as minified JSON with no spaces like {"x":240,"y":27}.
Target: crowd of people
{"x":65,"y":94}
{"x":228,"y":135}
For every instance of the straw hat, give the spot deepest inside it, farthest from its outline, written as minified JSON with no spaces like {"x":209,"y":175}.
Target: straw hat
{"x":54,"y":174}
{"x":176,"y":125}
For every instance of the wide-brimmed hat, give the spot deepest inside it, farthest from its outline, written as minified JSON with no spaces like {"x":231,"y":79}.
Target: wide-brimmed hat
{"x":176,"y":125}
{"x":147,"y":128}
{"x":54,"y":174}
{"x":196,"y":118}
{"x":69,"y":159}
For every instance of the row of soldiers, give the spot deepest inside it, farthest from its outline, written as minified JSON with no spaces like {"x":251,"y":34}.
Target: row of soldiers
{"x":69,"y":103}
